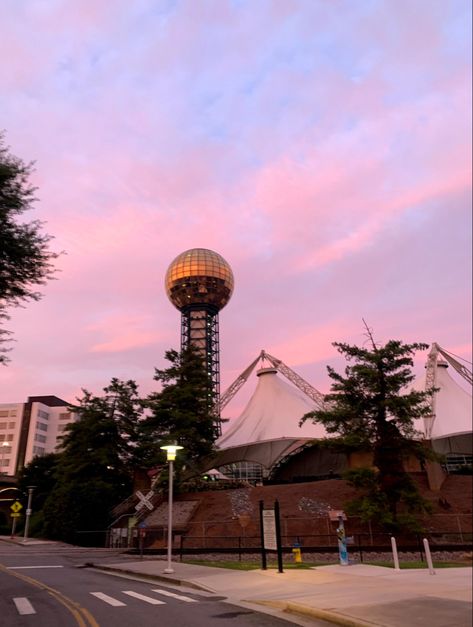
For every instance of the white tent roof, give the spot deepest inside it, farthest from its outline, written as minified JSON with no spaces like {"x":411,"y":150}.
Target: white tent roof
{"x":453,"y":406}
{"x":273,"y":412}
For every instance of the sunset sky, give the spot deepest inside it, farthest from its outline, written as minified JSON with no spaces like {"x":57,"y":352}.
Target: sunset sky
{"x":322,"y":147}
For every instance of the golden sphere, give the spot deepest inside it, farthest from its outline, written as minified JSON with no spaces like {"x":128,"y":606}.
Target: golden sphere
{"x":199,"y":277}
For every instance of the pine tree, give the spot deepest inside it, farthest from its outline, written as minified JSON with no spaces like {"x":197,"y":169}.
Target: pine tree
{"x":181,"y":411}
{"x":370,"y":407}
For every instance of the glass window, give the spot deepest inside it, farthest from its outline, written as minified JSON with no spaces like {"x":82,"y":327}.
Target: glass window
{"x":3,"y":425}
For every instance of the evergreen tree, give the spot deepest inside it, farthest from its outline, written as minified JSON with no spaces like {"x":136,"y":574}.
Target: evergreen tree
{"x":181,"y":411}
{"x":25,"y":257}
{"x":94,"y":471}
{"x":40,"y":473}
{"x":370,"y":407}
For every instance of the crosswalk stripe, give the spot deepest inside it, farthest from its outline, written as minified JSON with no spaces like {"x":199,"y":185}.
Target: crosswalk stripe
{"x":142,"y":597}
{"x":107,"y":599}
{"x":166,"y":593}
{"x":23,"y":606}
{"x":29,"y":567}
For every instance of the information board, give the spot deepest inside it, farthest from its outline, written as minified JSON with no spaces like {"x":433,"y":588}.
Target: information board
{"x":269,"y":530}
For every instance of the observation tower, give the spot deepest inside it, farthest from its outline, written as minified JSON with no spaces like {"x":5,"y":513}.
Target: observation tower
{"x":199,"y":282}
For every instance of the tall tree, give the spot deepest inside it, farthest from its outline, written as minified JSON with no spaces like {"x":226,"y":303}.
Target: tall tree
{"x":25,"y":256}
{"x":41,"y":473}
{"x":95,"y":467}
{"x":180,"y":411}
{"x":370,"y":407}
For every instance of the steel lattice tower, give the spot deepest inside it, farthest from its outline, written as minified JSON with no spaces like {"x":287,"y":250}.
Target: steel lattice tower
{"x":199,"y":282}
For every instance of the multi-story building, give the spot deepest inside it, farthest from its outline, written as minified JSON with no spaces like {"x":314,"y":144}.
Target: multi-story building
{"x":31,"y":429}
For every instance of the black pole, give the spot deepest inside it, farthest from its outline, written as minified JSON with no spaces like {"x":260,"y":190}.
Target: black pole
{"x":263,"y":550}
{"x":278,"y":535}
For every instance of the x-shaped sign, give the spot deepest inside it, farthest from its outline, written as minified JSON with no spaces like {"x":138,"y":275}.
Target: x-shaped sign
{"x":145,"y":501}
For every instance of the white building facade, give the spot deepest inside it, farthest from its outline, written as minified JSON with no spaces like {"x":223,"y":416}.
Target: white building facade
{"x":31,"y":429}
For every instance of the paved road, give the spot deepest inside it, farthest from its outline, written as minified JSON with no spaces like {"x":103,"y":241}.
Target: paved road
{"x":51,"y":587}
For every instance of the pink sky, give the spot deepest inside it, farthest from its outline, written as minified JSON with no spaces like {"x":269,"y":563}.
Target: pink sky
{"x":323,"y":148}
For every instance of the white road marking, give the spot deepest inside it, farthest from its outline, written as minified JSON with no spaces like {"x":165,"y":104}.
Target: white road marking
{"x":142,"y":597}
{"x":166,"y":593}
{"x":107,"y":599}
{"x":23,"y":606}
{"x":25,"y":567}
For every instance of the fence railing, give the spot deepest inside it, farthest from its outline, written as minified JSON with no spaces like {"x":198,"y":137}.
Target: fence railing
{"x":359,"y":544}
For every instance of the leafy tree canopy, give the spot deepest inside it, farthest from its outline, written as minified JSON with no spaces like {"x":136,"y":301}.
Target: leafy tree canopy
{"x":370,"y":406}
{"x":25,"y":256}
{"x":181,"y":411}
{"x":95,"y":467}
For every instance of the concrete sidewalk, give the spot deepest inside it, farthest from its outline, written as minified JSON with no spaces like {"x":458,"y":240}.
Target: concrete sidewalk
{"x":357,"y":595}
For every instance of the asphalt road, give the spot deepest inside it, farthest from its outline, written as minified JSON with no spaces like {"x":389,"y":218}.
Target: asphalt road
{"x":52,"y":588}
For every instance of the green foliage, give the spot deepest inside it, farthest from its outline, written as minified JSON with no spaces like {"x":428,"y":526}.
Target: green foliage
{"x":373,"y":503}
{"x":41,"y":473}
{"x":95,"y":467}
{"x":371,"y":407}
{"x":180,"y":412}
{"x":25,"y":257}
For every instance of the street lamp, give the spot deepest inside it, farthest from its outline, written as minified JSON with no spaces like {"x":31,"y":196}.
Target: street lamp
{"x":4,"y":450}
{"x":171,"y":450}
{"x":28,"y":511}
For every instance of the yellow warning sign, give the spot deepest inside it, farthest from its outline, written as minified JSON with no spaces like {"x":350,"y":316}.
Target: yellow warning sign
{"x":16,"y":506}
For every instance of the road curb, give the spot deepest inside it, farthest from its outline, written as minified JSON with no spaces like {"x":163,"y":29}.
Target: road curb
{"x":174,"y":580}
{"x":315,"y":612}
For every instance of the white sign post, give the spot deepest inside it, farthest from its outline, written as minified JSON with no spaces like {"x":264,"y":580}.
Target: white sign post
{"x":270,"y":534}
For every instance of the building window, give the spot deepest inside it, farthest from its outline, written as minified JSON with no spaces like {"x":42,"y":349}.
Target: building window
{"x":62,"y":428}
{"x":43,"y":414}
{"x":40,"y":438}
{"x":11,"y":425}
{"x":3,"y":413}
{"x":9,"y":437}
{"x":41,"y":426}
{"x":65,"y":416}
{"x":12,"y":412}
{"x":246,"y":471}
{"x":4,"y":462}
{"x":3,"y":425}
{"x":456,"y":462}
{"x":38,"y":450}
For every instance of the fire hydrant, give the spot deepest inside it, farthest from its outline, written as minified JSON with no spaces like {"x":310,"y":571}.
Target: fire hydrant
{"x":297,"y":554}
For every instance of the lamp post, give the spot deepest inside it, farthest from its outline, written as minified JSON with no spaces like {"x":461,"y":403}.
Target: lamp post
{"x":28,"y":511}
{"x":4,"y":450}
{"x":171,"y":456}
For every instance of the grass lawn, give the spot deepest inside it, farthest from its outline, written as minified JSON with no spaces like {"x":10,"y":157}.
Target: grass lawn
{"x":246,"y":565}
{"x":420,"y":564}
{"x":235,"y":565}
